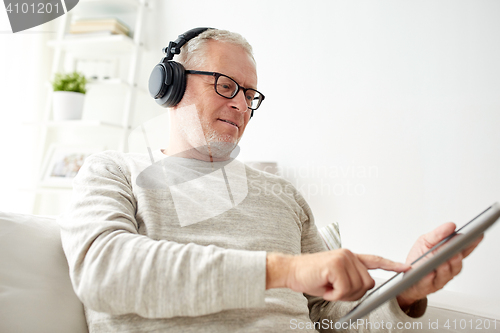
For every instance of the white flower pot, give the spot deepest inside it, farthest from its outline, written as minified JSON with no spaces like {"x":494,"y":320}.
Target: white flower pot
{"x":67,"y":105}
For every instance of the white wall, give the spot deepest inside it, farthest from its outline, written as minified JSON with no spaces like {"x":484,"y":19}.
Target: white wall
{"x":384,"y":113}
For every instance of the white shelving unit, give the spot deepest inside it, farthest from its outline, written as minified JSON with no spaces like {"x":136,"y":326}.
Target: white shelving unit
{"x":93,"y":47}
{"x":83,"y":45}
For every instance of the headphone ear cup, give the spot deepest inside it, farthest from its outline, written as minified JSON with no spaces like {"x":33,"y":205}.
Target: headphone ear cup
{"x":175,"y":84}
{"x":178,"y":83}
{"x":158,"y":83}
{"x":167,"y":82}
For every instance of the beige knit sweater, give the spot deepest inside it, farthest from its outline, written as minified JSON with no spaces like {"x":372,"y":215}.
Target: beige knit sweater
{"x":179,"y":245}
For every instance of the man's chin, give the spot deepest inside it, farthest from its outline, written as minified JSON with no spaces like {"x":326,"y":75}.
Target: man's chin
{"x":218,"y":149}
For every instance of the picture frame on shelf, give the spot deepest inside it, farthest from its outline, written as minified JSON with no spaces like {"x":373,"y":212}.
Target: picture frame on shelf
{"x":63,"y":162}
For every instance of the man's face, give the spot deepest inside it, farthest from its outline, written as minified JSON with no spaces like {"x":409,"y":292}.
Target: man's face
{"x":222,"y":120}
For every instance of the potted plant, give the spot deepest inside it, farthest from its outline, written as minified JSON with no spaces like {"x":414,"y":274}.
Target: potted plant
{"x":69,"y":93}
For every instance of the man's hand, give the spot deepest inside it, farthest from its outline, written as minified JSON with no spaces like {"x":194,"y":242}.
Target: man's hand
{"x":442,"y":275}
{"x":338,"y":275}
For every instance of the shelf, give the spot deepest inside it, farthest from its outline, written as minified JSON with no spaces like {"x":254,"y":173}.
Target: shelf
{"x":92,"y":82}
{"x":119,"y":82}
{"x":92,"y":45}
{"x":53,"y":190}
{"x":106,"y":7}
{"x":75,"y":123}
{"x":106,"y":82}
{"x":81,"y":123}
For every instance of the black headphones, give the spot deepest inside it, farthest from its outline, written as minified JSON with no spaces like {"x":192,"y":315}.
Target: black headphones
{"x":167,"y":81}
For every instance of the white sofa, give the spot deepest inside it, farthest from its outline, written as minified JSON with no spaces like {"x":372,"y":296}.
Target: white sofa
{"x":35,"y":290}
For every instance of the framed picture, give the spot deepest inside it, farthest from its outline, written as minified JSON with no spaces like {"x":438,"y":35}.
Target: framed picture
{"x":62,"y":163}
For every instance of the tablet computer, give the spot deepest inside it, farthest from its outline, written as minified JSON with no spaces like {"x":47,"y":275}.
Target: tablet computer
{"x":440,"y":253}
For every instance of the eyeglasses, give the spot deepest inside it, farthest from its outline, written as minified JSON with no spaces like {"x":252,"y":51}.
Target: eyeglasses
{"x":228,"y":88}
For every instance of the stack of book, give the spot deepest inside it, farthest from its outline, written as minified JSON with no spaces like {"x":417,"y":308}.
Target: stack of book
{"x":99,"y":26}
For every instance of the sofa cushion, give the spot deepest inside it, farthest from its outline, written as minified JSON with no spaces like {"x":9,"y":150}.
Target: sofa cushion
{"x":35,"y":290}
{"x":331,"y":236}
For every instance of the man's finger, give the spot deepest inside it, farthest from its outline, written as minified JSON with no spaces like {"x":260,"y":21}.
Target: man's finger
{"x":471,"y":247}
{"x":438,"y":234}
{"x":340,"y":283}
{"x":367,"y":280}
{"x":443,"y":275}
{"x":354,"y":277}
{"x":375,"y":262}
{"x":456,"y":264}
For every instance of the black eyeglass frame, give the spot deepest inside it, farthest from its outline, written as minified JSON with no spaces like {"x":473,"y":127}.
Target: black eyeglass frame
{"x":217,"y":75}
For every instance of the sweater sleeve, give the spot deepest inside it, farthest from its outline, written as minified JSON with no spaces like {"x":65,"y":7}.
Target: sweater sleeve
{"x":116,"y":270}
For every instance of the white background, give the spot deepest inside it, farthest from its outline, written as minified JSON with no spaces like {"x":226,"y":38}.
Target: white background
{"x":385,"y":114}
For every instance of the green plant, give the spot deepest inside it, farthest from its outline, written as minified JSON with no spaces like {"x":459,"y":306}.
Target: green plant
{"x":70,"y":82}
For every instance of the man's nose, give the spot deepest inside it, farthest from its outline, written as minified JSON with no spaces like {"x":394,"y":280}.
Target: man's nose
{"x":239,"y":102}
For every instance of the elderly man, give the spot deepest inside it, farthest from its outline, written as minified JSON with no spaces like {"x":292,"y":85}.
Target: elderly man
{"x":187,"y":239}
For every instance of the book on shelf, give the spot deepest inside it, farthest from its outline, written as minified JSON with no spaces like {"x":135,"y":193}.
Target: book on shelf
{"x":111,"y":25}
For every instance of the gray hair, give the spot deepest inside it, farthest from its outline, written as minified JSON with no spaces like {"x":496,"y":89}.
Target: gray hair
{"x":192,"y":53}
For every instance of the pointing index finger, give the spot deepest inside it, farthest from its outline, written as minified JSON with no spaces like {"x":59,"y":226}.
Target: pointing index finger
{"x":375,"y":262}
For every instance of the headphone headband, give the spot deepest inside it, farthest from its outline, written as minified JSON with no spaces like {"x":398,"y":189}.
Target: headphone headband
{"x":174,"y":48}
